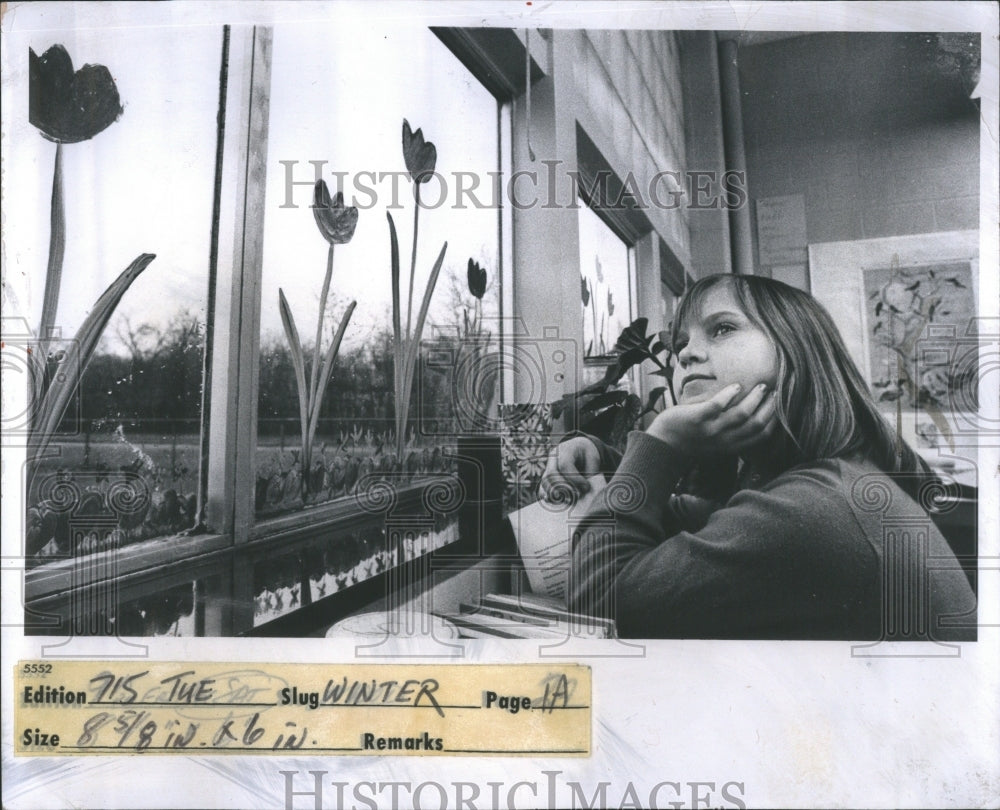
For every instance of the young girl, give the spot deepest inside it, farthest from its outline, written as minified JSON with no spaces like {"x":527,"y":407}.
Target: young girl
{"x":757,"y":507}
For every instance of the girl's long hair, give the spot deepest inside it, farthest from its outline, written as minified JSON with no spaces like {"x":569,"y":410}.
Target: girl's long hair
{"x":823,"y":403}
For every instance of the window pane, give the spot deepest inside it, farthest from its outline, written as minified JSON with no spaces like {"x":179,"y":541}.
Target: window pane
{"x":144,"y":184}
{"x":319,"y":569}
{"x":604,"y":268}
{"x":339,"y":96}
{"x":189,"y":608}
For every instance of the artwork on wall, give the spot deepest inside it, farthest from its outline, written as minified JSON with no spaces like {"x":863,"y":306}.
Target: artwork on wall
{"x":907,"y":310}
{"x":904,"y":305}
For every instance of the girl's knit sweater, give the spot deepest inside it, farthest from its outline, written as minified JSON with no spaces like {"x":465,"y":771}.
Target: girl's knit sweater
{"x":830,"y":549}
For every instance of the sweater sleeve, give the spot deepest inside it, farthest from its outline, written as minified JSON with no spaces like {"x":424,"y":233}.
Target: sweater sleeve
{"x":610,"y":458}
{"x":680,"y":511}
{"x":788,"y":560}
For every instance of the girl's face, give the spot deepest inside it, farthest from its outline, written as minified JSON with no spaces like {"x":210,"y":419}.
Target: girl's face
{"x":719,"y":345}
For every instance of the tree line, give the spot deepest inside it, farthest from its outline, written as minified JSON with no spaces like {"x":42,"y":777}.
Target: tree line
{"x":157,"y":381}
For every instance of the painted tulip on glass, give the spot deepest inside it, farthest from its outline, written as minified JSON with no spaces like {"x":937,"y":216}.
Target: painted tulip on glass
{"x":336,"y":223}
{"x":479,"y":366}
{"x":68,"y":107}
{"x":420,"y":157}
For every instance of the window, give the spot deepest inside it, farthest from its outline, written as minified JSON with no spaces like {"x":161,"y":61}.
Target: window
{"x":322,"y":117}
{"x":124,"y":463}
{"x":325,"y":123}
{"x":605,"y":284}
{"x":192,"y":395}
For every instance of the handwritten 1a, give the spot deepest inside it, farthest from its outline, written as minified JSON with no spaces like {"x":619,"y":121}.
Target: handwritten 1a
{"x":556,"y":693}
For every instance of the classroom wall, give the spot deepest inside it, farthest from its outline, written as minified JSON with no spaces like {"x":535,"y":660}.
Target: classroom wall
{"x":703,"y":123}
{"x":626,"y":91}
{"x":876,"y":131}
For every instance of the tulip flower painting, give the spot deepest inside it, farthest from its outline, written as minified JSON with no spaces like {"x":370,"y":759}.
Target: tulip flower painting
{"x":420,"y":157}
{"x":336,"y":223}
{"x":476,"y":276}
{"x":477,"y":364}
{"x":68,"y":107}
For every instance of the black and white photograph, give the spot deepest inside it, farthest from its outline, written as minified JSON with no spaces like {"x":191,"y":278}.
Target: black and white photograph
{"x":655,"y":337}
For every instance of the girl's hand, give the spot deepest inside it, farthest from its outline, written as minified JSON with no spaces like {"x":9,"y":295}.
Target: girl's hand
{"x":570,"y":464}
{"x":722,"y":425}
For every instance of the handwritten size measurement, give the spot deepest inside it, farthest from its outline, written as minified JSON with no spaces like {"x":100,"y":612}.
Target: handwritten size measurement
{"x":136,"y":730}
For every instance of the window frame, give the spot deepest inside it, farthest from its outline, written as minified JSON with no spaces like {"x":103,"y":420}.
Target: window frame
{"x":224,"y":554}
{"x":303,"y":526}
{"x":52,"y":585}
{"x":631,"y":260}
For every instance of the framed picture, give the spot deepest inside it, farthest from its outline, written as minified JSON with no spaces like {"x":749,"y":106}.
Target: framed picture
{"x":906,"y":308}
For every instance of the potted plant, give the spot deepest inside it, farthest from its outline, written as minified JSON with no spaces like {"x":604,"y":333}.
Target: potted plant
{"x":605,"y":410}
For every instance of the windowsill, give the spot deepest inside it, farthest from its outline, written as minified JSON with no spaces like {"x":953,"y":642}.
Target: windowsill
{"x":453,"y":579}
{"x":317,"y":518}
{"x":161,"y":555}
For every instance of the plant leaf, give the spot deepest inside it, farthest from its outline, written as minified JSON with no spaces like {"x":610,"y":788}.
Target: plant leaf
{"x":295,"y":349}
{"x":611,"y":376}
{"x":418,"y":330}
{"x":57,"y":397}
{"x":396,"y":326}
{"x":327,"y":372}
{"x":654,"y":395}
{"x":633,"y":336}
{"x":632,"y":357}
{"x":602,"y":401}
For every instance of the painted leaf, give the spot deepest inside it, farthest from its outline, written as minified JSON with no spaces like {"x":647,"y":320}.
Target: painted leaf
{"x":64,"y":384}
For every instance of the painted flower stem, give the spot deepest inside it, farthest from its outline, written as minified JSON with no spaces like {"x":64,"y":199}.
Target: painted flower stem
{"x":53,"y":281}
{"x":311,"y":392}
{"x":57,"y":251}
{"x":324,"y":294}
{"x":420,"y":157}
{"x":413,"y":255}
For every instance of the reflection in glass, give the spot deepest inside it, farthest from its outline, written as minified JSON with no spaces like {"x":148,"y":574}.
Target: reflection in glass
{"x":167,"y":613}
{"x":322,"y":568}
{"x":177,"y":610}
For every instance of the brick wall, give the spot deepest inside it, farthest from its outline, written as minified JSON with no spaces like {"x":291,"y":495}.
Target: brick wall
{"x":876,"y":131}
